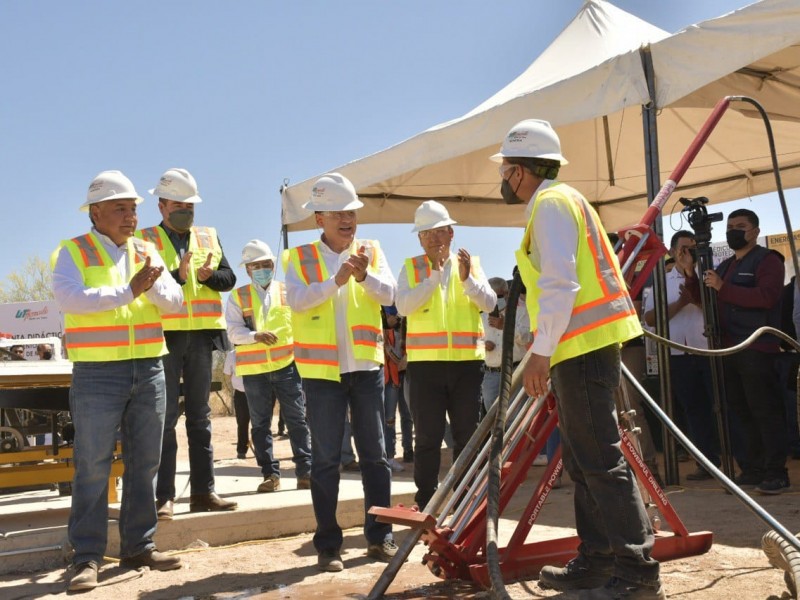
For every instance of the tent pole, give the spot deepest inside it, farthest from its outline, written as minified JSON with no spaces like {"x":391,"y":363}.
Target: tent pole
{"x":653,"y":178}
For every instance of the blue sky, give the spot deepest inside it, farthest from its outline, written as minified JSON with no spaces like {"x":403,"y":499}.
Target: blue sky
{"x":246,"y":94}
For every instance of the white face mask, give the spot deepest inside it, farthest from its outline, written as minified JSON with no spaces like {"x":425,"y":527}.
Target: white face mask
{"x":501,"y":304}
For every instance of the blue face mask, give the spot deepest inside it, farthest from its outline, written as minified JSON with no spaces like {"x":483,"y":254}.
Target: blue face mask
{"x":262,"y":277}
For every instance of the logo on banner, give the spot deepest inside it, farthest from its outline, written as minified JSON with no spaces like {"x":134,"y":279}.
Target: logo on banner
{"x":26,"y":314}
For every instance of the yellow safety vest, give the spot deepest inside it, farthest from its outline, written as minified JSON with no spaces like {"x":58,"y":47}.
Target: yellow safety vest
{"x":315,"y":346}
{"x":603,"y":312}
{"x":252,"y":359}
{"x":439,"y":330}
{"x":202,"y":306}
{"x":127,"y":332}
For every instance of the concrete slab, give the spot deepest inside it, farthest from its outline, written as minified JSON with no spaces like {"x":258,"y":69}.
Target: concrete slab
{"x":33,"y":525}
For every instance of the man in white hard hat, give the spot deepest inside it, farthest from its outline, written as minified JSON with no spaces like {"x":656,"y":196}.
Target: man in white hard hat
{"x":580,"y":312}
{"x":260,"y":325}
{"x":336,"y":287}
{"x":111,"y":288}
{"x":195,"y":259}
{"x":442,"y":294}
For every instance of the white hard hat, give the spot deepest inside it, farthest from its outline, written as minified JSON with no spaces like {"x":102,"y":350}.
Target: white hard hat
{"x":177,"y":185}
{"x":333,"y":192}
{"x":110,"y":185}
{"x":255,"y":251}
{"x":430,"y":215}
{"x":531,"y":138}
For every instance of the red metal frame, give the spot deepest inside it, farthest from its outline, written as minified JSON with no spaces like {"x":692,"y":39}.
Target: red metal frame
{"x":466,"y":559}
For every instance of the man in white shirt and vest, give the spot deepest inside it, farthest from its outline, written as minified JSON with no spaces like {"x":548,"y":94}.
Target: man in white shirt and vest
{"x":493,"y":331}
{"x":442,"y":294}
{"x":580,"y":313}
{"x":111,"y":288}
{"x":195,"y":260}
{"x":335,"y":287}
{"x":260,"y":325}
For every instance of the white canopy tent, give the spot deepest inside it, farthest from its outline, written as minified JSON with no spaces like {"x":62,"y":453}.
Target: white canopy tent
{"x":590,"y":84}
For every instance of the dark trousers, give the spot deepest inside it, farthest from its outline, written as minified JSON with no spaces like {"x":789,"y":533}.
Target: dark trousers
{"x":690,"y":376}
{"x":242,"y":421}
{"x":441,"y":389}
{"x":755,"y":396}
{"x":609,"y":513}
{"x":189,"y":356}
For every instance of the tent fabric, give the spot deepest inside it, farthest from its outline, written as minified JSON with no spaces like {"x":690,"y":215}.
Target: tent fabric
{"x":590,"y":84}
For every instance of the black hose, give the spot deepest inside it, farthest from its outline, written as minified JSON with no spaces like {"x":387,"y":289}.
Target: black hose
{"x":498,"y":589}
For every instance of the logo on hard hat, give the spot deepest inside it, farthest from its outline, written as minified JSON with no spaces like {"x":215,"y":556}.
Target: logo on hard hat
{"x":96,"y":185}
{"x":317,"y":191}
{"x":165,"y":181}
{"x":517,"y":136}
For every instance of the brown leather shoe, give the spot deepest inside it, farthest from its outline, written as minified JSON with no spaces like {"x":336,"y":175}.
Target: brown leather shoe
{"x":164,"y":509}
{"x":210,"y":503}
{"x":84,"y":578}
{"x":155,"y":560}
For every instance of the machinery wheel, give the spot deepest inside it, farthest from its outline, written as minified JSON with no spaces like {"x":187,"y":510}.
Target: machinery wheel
{"x":11,"y":440}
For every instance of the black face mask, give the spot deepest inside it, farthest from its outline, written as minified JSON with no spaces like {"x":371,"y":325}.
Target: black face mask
{"x":46,"y":355}
{"x":735,"y":239}
{"x":509,"y":195}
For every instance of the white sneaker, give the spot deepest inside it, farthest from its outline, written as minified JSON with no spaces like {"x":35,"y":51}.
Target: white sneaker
{"x":396,"y":466}
{"x":540,"y":460}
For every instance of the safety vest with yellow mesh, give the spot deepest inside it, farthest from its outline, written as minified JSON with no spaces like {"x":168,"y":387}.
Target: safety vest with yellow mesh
{"x":315,"y":345}
{"x":252,"y":359}
{"x":449,"y":330}
{"x":202,"y":306}
{"x":125,"y":333}
{"x":602,"y":312}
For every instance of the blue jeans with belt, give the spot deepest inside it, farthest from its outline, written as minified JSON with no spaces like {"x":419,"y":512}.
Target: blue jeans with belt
{"x":190,"y":357}
{"x":326,"y":406}
{"x":108,"y":399}
{"x":609,"y":513}
{"x":261,"y":390}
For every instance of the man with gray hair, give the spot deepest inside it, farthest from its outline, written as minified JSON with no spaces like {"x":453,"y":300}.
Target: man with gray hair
{"x":493,"y":330}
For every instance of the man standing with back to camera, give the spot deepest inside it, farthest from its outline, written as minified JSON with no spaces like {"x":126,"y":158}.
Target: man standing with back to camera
{"x":195,"y":260}
{"x":580,"y":311}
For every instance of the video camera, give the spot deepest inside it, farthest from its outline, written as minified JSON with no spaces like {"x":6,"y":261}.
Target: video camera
{"x":699,"y":218}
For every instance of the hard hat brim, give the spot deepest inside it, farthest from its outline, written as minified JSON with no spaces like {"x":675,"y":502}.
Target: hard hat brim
{"x":257,"y":259}
{"x":190,"y":200}
{"x":498,"y":158}
{"x":314,"y":206}
{"x":85,"y":206}
{"x":441,"y":223}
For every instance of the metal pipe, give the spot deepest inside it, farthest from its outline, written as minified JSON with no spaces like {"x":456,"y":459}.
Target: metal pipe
{"x":32,"y":550}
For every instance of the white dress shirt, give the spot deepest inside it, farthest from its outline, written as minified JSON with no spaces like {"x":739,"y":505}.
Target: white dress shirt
{"x":494,"y":356}
{"x":553,"y":252}
{"x":522,"y":330}
{"x":229,"y":368}
{"x":74,"y":297}
{"x":379,"y":286}
{"x":686,"y":327}
{"x":476,"y":288}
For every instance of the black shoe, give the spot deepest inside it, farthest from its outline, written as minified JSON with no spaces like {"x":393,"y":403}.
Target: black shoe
{"x":748,"y":481}
{"x":771,"y":487}
{"x":210,"y":503}
{"x":699,"y":474}
{"x":155,"y":560}
{"x":352,"y":467}
{"x":408,"y":456}
{"x":575,"y":575}
{"x":85,"y":577}
{"x":618,"y":589}
{"x":241,"y":455}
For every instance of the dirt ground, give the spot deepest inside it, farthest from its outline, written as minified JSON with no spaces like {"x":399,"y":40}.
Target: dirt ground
{"x":735,"y":567}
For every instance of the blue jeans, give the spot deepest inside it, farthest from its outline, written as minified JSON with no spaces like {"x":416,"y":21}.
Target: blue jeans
{"x":690,"y":376}
{"x":609,"y":514}
{"x":190,"y":357}
{"x":326,"y":404}
{"x":490,"y":388}
{"x":285,"y":383}
{"x":126,"y":396}
{"x":393,"y":399}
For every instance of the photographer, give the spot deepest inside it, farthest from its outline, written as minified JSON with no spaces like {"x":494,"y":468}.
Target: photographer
{"x":690,"y":374}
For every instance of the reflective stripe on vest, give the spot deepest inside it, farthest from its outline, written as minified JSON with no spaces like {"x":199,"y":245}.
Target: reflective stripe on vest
{"x":422,"y":268}
{"x":151,"y":235}
{"x":364,"y":335}
{"x":89,"y":252}
{"x":426,"y":341}
{"x":89,"y":337}
{"x":316,"y":354}
{"x":310,"y":264}
{"x":603,"y":312}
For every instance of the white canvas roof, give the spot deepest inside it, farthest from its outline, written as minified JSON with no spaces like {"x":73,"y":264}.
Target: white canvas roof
{"x":590,"y":84}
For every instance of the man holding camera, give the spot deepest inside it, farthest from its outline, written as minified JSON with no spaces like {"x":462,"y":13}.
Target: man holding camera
{"x":690,"y":374}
